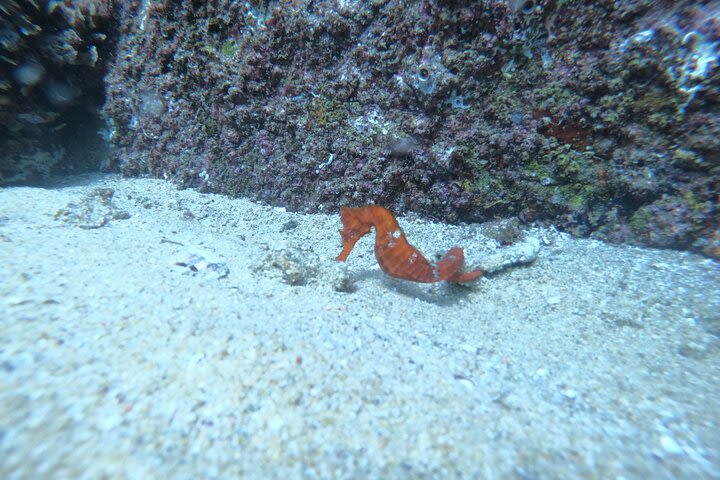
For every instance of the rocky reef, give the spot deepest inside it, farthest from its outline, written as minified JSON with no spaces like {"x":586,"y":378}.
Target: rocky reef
{"x":602,"y":118}
{"x":52,"y":60}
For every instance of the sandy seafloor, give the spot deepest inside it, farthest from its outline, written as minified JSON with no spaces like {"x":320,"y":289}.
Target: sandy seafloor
{"x":158,"y":334}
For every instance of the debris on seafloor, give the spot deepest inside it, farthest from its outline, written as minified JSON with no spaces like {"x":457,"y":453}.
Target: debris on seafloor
{"x":297,"y":266}
{"x":95,"y":210}
{"x":301,"y":266}
{"x":523,"y":252}
{"x":202,"y":261}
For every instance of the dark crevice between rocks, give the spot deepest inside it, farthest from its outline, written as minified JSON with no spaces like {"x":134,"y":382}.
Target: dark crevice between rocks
{"x":53,"y":59}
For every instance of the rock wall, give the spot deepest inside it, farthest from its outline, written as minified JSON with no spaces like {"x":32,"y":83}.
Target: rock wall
{"x":601,"y":117}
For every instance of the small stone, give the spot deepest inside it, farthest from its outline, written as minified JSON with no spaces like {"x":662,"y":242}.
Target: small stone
{"x":569,"y":393}
{"x":289,"y":225}
{"x":670,"y":445}
{"x":276,"y":423}
{"x":339,"y":278}
{"x":109,"y":417}
{"x":297,"y":265}
{"x":553,"y":300}
{"x":199,"y":260}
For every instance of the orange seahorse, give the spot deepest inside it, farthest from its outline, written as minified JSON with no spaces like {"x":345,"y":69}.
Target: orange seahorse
{"x":394,"y":253}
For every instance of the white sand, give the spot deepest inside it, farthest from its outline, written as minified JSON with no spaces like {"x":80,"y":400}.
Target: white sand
{"x":595,"y":361}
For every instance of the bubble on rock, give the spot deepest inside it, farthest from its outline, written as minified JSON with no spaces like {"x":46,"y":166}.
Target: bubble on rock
{"x":29,"y":73}
{"x":151,"y":103}
{"x":59,"y":93}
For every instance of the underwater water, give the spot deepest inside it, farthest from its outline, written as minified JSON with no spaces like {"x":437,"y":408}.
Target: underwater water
{"x":348,"y":239}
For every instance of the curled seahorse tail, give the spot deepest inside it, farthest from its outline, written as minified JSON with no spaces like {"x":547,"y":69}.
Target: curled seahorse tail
{"x":450,"y":264}
{"x":395,"y":255}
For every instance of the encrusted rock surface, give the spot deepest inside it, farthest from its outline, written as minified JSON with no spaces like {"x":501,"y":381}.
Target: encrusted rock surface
{"x":601,"y":118}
